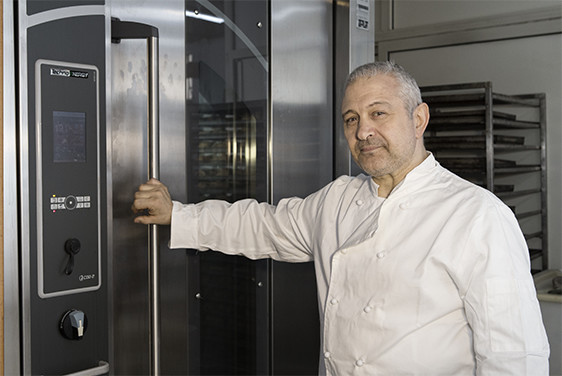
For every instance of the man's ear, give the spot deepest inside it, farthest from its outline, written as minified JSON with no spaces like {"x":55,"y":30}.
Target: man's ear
{"x":421,"y":119}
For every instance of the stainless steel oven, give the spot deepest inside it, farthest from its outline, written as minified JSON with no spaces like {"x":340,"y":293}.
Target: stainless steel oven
{"x":220,"y":99}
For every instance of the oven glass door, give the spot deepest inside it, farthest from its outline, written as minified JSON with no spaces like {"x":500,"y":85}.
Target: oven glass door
{"x":226,"y":115}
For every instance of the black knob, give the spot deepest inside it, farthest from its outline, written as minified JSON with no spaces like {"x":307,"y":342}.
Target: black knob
{"x":70,"y":202}
{"x":72,"y":247}
{"x":73,"y":324}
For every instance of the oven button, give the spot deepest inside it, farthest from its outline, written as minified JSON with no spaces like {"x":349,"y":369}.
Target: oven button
{"x":70,"y":202}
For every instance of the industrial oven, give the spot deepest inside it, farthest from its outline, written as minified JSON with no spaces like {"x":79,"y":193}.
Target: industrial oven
{"x":220,"y":99}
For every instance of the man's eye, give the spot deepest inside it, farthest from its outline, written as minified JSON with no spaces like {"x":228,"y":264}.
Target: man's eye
{"x":350,"y":121}
{"x":379,"y":113}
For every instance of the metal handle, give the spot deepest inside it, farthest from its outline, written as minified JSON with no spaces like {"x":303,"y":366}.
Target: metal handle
{"x":103,"y":368}
{"x":132,"y":30}
{"x":154,"y":172}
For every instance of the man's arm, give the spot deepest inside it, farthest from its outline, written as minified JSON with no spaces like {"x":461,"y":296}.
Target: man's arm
{"x":246,"y":227}
{"x":500,"y":299}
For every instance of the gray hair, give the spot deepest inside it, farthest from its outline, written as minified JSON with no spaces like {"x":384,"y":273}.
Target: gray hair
{"x":409,"y":90}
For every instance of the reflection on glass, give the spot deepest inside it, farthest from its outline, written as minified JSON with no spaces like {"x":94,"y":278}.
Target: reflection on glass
{"x":226,"y":105}
{"x":227,"y":154}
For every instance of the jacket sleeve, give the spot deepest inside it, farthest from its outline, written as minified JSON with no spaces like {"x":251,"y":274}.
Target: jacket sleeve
{"x":256,"y":230}
{"x":500,"y":298}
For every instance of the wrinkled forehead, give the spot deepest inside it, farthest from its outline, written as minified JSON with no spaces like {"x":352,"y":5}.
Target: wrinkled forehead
{"x":366,"y":90}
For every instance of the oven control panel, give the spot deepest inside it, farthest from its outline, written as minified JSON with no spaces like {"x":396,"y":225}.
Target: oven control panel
{"x":68,"y":178}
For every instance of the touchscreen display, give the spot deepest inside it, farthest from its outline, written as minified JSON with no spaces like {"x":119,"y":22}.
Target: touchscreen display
{"x":69,"y":136}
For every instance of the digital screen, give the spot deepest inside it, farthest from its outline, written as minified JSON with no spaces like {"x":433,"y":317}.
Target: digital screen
{"x":69,"y":136}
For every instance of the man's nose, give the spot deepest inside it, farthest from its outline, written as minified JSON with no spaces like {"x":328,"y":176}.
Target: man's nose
{"x":365,"y":129}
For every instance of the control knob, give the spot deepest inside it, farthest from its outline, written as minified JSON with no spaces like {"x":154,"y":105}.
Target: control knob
{"x":70,"y":202}
{"x":72,"y":247}
{"x":73,"y":324}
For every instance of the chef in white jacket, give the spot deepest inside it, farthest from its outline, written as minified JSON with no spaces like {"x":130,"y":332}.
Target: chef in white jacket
{"x":418,"y":271}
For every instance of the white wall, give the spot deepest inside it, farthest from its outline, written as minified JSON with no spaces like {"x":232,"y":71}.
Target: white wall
{"x":409,"y":13}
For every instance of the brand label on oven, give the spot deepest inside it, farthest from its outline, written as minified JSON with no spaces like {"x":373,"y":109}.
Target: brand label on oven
{"x":62,"y":72}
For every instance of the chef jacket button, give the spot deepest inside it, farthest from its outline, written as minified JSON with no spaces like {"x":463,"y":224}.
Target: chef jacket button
{"x":404,"y":205}
{"x":367,"y":309}
{"x":344,"y":251}
{"x":360,"y":363}
{"x":359,"y":202}
{"x":334,"y":301}
{"x":381,"y":254}
{"x":327,"y":355}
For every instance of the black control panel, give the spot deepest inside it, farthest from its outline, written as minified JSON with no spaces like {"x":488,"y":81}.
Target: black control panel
{"x":67,"y":178}
{"x":65,"y":314}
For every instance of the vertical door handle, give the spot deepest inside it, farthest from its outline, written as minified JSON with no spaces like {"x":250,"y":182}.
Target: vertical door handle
{"x":133,"y":30}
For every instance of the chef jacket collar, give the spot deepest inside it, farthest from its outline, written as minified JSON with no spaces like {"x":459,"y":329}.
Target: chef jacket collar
{"x":419,"y":172}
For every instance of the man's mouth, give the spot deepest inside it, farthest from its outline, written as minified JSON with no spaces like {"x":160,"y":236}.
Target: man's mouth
{"x":368,"y":148}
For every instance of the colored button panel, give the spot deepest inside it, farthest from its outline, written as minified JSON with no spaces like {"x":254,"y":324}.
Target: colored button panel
{"x":69,"y":202}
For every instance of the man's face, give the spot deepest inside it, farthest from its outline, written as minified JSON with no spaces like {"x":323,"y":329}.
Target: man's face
{"x":380,"y":133}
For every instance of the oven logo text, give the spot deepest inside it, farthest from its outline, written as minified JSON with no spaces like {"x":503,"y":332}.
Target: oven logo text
{"x":86,"y":277}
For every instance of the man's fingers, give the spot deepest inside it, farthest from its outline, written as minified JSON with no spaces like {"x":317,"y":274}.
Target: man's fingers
{"x":143,"y":219}
{"x":149,"y":195}
{"x":150,"y":185}
{"x":144,"y":195}
{"x":140,"y":205}
{"x":153,"y":203}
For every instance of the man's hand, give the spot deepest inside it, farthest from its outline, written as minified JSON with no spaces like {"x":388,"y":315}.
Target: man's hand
{"x":153,"y":199}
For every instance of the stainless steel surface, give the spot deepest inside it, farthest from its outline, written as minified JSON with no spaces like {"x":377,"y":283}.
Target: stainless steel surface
{"x":10,"y":184}
{"x":127,"y":119}
{"x":354,"y":47}
{"x":301,"y":96}
{"x":154,"y":172}
{"x":24,"y":274}
{"x":153,"y":109}
{"x":342,"y":161}
{"x":301,"y":152}
{"x":109,"y":180}
{"x":64,"y":12}
{"x":361,"y":40}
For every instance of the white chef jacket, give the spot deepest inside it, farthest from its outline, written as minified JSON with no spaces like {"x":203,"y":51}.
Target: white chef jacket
{"x":433,"y":280}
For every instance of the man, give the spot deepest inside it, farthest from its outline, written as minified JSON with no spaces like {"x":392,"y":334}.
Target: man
{"x":418,"y":271}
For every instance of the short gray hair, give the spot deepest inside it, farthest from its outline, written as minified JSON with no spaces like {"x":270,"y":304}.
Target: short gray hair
{"x":409,"y":89}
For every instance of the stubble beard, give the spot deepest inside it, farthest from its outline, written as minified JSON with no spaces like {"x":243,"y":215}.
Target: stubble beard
{"x":375,"y":162}
{"x":381,"y":161}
